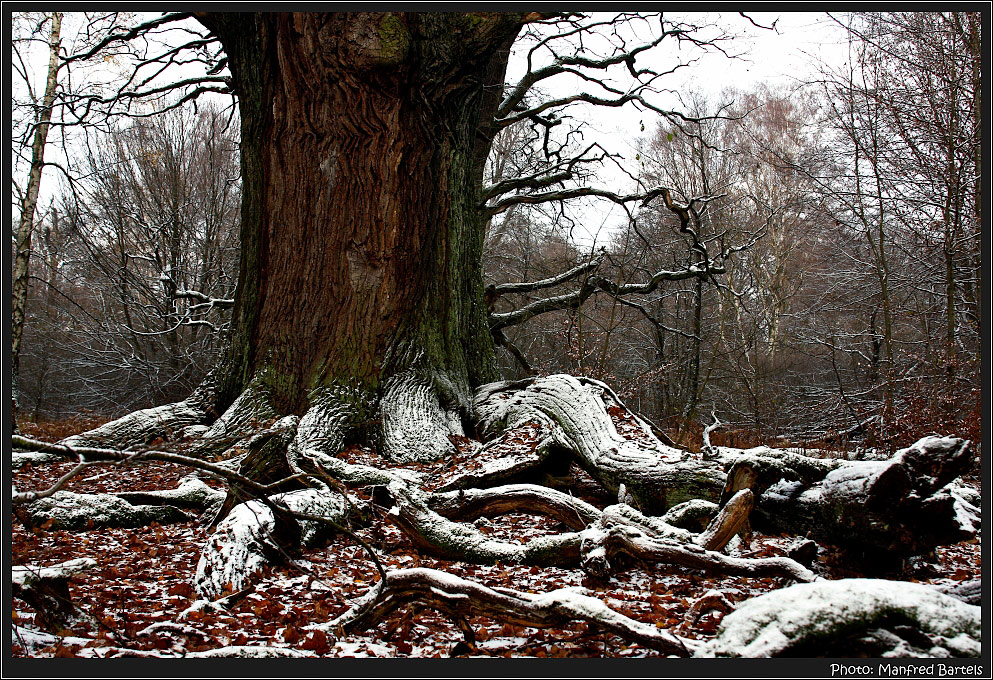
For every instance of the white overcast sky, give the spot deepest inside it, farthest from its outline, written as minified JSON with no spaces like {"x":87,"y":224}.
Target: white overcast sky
{"x":782,"y":56}
{"x":785,"y":56}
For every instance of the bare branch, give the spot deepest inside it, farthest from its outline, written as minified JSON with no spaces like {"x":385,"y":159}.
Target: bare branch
{"x":530,"y":286}
{"x":130,"y":34}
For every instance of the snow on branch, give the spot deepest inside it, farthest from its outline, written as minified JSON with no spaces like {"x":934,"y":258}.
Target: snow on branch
{"x":530,"y":286}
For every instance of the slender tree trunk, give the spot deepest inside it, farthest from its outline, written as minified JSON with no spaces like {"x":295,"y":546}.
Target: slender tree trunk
{"x":364,"y":137}
{"x":693,"y":394}
{"x":975,"y":54}
{"x":19,"y":289}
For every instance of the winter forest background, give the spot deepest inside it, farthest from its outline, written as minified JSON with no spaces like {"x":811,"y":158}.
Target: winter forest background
{"x":854,"y":314}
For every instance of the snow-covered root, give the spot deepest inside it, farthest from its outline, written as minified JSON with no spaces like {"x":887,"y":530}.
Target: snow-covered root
{"x":80,"y":511}
{"x":416,"y":426}
{"x":622,"y":531}
{"x":263,"y":461}
{"x":460,"y":599}
{"x":251,"y":536}
{"x":191,"y":494}
{"x":896,"y":507}
{"x":433,"y":534}
{"x":141,"y":427}
{"x":514,"y":453}
{"x":248,"y":413}
{"x":613,"y":445}
{"x":19,"y":459}
{"x":465,"y":506}
{"x":851,"y":617}
{"x":333,"y":414}
{"x":46,"y":590}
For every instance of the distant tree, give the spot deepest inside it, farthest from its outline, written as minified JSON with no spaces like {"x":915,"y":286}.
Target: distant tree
{"x":39,"y":120}
{"x":906,"y":193}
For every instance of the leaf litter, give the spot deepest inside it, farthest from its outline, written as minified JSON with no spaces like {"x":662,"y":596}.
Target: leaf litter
{"x":141,"y":598}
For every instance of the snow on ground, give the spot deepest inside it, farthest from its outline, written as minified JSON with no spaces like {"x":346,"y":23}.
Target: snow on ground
{"x":142,"y":583}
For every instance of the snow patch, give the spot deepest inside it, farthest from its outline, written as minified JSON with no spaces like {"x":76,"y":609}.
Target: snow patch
{"x":250,"y":652}
{"x":34,"y":640}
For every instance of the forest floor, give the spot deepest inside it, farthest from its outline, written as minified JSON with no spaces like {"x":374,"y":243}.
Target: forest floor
{"x":141,"y":587}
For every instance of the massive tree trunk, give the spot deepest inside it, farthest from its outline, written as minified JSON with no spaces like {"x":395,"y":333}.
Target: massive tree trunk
{"x":363,"y":141}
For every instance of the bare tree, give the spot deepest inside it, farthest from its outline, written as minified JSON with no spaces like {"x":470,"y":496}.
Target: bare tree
{"x":147,"y":254}
{"x":42,"y":116}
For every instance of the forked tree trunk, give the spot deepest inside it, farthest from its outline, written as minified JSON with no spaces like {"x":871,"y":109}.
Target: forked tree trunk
{"x":363,"y":141}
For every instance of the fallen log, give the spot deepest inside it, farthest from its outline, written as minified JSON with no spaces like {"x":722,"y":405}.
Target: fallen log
{"x":892,"y":508}
{"x":46,"y":590}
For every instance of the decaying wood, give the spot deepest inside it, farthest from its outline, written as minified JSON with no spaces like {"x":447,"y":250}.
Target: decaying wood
{"x":892,"y":508}
{"x":731,"y":519}
{"x":46,"y":590}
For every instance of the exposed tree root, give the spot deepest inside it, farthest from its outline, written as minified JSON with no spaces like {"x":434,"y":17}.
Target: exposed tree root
{"x":81,"y":511}
{"x":436,"y":535}
{"x":465,"y":506}
{"x":851,"y":617}
{"x":623,"y":531}
{"x":334,"y":415}
{"x":250,"y":412}
{"x":460,"y":598}
{"x":416,"y":426}
{"x":141,"y":427}
{"x":191,"y":494}
{"x":900,"y":505}
{"x":513,"y":454}
{"x":264,"y":462}
{"x":252,"y":535}
{"x":578,"y":413}
{"x":599,"y":547}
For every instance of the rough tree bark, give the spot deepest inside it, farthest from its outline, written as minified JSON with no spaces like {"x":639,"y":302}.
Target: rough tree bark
{"x":888,"y":510}
{"x":363,"y":142}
